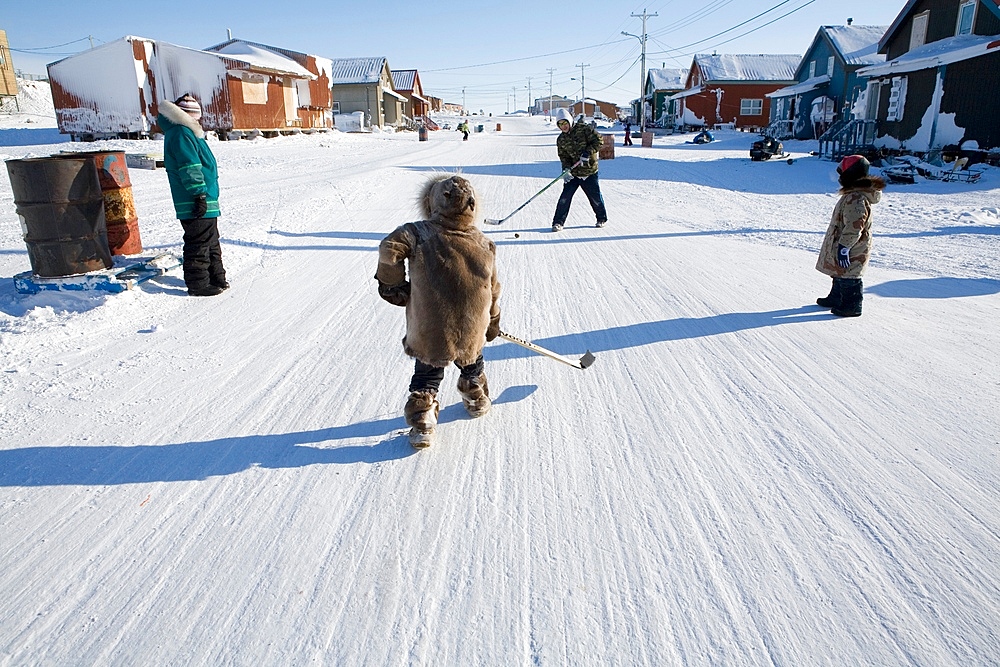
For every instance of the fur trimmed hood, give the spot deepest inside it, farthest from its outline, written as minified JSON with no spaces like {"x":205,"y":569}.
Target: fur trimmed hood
{"x":174,"y":115}
{"x":450,"y":201}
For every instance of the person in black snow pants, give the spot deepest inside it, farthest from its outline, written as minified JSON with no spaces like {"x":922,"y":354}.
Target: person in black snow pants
{"x":578,"y":145}
{"x":194,"y":187}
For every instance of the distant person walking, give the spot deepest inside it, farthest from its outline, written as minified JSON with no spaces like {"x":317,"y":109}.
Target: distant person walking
{"x":847,"y":245}
{"x":628,"y":131}
{"x":578,"y":146}
{"x":463,"y":127}
{"x":194,"y":186}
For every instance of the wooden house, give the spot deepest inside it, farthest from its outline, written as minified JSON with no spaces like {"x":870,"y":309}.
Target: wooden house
{"x":406,"y":82}
{"x":113,"y":90}
{"x":313,"y":101}
{"x":732,"y":89}
{"x":661,"y":84}
{"x":940,"y":84}
{"x":595,"y":108}
{"x":365,"y":85}
{"x":545,"y":105}
{"x":828,"y":85}
{"x":8,"y":80}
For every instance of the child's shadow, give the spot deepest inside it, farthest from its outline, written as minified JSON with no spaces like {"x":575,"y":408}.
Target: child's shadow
{"x":456,"y":411}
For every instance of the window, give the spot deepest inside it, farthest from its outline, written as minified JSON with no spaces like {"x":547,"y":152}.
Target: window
{"x":871,"y":98}
{"x":966,"y":16}
{"x":336,"y":107}
{"x":829,"y":66}
{"x":812,"y":68}
{"x":897,"y":98}
{"x":751,"y":107}
{"x":918,"y":31}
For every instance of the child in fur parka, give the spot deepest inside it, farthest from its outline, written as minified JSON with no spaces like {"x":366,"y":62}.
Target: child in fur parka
{"x":450,"y":299}
{"x":847,"y":245}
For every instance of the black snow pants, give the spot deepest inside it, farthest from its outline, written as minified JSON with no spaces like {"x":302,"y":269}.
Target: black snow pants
{"x":428,"y":378}
{"x":202,"y":254}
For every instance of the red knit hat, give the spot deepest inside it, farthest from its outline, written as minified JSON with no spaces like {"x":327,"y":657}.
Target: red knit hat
{"x":852,"y":169}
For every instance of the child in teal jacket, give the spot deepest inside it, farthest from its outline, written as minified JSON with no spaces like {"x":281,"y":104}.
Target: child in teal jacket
{"x":194,"y":188}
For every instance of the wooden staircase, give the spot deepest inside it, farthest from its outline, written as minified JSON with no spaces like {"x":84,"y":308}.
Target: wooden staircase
{"x":848,"y":138}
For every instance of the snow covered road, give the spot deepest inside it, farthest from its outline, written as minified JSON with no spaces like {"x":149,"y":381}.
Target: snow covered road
{"x":740,"y":479}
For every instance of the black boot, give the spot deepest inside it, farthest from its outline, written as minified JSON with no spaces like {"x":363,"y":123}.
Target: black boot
{"x":831,"y":300}
{"x":851,"y":297}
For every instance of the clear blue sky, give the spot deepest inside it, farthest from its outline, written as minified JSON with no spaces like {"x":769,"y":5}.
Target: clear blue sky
{"x":493,"y":51}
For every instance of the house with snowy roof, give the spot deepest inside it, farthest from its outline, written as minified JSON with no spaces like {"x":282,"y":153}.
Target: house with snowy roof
{"x":365,"y":85}
{"x":732,"y":90}
{"x":406,"y":82}
{"x":661,"y":84}
{"x":113,"y":90}
{"x":940,"y":83}
{"x":309,"y":97}
{"x":828,"y":84}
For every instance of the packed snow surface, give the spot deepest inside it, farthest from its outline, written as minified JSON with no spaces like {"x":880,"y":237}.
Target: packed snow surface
{"x":741,"y":478}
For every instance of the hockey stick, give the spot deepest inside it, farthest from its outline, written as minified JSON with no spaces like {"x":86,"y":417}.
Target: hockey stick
{"x":584,"y":362}
{"x":491,"y":221}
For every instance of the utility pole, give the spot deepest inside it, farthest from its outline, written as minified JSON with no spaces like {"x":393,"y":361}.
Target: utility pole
{"x":551,"y":70}
{"x":529,"y":96}
{"x":514,"y":88}
{"x":463,"y":100}
{"x":642,"y":71}
{"x":583,"y":89}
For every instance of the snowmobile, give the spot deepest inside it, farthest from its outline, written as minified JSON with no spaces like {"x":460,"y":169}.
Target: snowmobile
{"x":766,"y":148}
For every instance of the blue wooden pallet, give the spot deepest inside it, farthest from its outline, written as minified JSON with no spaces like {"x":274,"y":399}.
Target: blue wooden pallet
{"x":114,"y":280}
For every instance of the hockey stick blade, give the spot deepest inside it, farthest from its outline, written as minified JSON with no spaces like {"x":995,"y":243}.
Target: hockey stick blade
{"x":584,"y":362}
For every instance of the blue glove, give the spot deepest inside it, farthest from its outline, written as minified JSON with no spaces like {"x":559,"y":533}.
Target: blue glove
{"x":843,"y":256}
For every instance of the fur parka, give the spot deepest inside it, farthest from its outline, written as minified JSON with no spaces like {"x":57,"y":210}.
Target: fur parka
{"x":453,"y":284}
{"x":851,"y":227}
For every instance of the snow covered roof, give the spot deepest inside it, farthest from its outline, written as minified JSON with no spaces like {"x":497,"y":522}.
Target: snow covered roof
{"x":803,"y":87}
{"x":262,"y":58}
{"x":942,"y":52}
{"x":356,"y":70}
{"x":687,"y":93}
{"x":756,"y":67}
{"x":404,"y":79}
{"x":857,"y":44}
{"x":667,"y":78}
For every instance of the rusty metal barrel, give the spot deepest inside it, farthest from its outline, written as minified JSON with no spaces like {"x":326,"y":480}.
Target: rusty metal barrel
{"x":119,"y":204}
{"x":61,"y":208}
{"x":607,"y":151}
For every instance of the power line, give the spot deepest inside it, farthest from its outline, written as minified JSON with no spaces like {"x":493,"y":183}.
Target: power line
{"x":45,"y":48}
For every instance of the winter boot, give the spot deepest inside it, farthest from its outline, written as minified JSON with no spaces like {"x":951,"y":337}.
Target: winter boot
{"x":831,"y":300}
{"x":475,"y":395}
{"x":421,"y":414}
{"x":851,"y":297}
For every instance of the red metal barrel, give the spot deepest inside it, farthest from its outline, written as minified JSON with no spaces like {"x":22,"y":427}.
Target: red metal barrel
{"x":61,"y":207}
{"x":119,"y":205}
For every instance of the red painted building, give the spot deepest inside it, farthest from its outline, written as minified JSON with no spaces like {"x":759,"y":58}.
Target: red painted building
{"x":732,"y":90}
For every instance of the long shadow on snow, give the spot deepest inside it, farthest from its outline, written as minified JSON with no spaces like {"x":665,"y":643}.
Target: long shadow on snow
{"x":647,"y":333}
{"x":935,"y":288}
{"x":770,"y":177}
{"x":91,"y":466}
